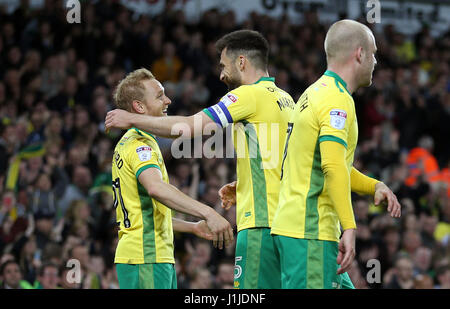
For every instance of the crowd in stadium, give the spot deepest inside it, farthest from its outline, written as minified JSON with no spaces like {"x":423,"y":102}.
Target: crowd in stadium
{"x":56,"y":85}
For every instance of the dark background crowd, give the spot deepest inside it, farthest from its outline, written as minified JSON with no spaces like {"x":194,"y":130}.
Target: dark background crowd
{"x":56,"y":84}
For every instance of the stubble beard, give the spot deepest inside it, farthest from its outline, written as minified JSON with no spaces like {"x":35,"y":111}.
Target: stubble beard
{"x":234,"y":81}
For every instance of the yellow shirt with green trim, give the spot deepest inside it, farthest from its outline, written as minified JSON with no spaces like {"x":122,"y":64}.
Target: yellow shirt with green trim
{"x":324,"y":112}
{"x":259,"y":114}
{"x":145,"y":225}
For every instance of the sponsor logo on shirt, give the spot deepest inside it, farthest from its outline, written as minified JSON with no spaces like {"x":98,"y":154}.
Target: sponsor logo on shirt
{"x":232,"y":97}
{"x":144,"y":153}
{"x":338,"y":118}
{"x":229,"y":99}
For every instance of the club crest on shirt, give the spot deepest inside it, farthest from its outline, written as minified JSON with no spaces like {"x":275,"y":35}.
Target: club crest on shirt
{"x":338,"y":118}
{"x":144,"y":153}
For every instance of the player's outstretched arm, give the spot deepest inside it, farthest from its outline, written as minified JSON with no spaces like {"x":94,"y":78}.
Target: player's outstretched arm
{"x":365,"y":185}
{"x":228,"y":195}
{"x":199,"y":229}
{"x":338,"y":183}
{"x":170,"y":126}
{"x":173,"y":198}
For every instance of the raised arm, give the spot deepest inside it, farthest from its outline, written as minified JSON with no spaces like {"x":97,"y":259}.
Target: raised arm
{"x":234,"y":106}
{"x":170,"y":126}
{"x":173,"y":198}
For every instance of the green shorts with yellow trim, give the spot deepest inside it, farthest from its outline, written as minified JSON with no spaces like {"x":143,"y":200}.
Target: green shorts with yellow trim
{"x":147,"y":276}
{"x":309,"y":264}
{"x":256,"y":265}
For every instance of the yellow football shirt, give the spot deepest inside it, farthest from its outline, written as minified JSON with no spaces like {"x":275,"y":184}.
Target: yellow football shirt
{"x":259,"y":114}
{"x":145,"y":234}
{"x":324,"y":112}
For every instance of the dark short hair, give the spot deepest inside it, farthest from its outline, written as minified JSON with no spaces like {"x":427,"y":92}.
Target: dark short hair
{"x":248,"y":42}
{"x":3,"y":266}
{"x":46,"y":265}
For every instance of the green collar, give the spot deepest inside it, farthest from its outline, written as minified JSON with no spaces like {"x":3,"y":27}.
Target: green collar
{"x":337,"y":79}
{"x":142,"y":131}
{"x":265,"y":78}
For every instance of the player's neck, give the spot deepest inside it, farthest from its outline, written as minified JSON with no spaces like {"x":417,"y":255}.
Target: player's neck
{"x":253,"y":76}
{"x":347,"y":75}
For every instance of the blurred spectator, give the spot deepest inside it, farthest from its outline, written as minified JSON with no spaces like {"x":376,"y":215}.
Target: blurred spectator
{"x":201,"y":279}
{"x":421,"y":162}
{"x":401,"y":276}
{"x":168,"y":67}
{"x":11,"y":276}
{"x":78,"y":189}
{"x":429,"y":224}
{"x":89,"y":279}
{"x":443,"y":277}
{"x":411,"y":241}
{"x":422,"y":260}
{"x":423,"y":282}
{"x":48,"y":276}
{"x":45,"y":197}
{"x":13,"y":219}
{"x":225,"y":274}
{"x":27,"y":255}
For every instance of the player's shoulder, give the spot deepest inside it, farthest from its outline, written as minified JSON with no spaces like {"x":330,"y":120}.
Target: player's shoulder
{"x":325,"y":91}
{"x":240,"y":95}
{"x":257,"y":90}
{"x":242,"y":91}
{"x":133,"y":139}
{"x":124,"y":140}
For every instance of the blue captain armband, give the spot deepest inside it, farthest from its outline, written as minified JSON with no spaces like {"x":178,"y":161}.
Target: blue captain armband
{"x":219,"y":114}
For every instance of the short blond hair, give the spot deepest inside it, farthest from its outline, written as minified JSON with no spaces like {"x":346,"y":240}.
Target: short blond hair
{"x":131,"y":88}
{"x":343,"y":37}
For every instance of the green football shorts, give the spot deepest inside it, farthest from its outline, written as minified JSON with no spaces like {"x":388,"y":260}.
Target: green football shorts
{"x":309,"y":264}
{"x":256,"y":265}
{"x":147,"y":276}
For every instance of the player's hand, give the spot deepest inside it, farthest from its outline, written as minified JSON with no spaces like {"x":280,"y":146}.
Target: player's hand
{"x":384,"y":195}
{"x":221,"y":229}
{"x":346,"y":250}
{"x":118,"y":118}
{"x":228,"y":195}
{"x":202,"y":230}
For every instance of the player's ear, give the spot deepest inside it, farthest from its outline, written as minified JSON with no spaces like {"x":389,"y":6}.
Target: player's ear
{"x":359,"y":54}
{"x":137,"y":107}
{"x":241,"y":62}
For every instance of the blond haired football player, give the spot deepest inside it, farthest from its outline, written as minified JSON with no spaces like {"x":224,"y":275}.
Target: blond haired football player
{"x":317,"y":171}
{"x":144,"y":199}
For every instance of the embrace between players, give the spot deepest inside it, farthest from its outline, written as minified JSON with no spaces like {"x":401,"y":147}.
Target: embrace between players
{"x":295,"y":222}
